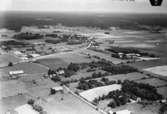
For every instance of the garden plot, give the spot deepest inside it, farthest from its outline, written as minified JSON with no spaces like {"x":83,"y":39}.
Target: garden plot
{"x":159,"y":70}
{"x":91,"y":94}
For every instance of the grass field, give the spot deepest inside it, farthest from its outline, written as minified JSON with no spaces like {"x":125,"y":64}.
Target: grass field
{"x":12,"y":102}
{"x":140,"y":109}
{"x":103,"y":56}
{"x":52,"y":63}
{"x":129,"y":76}
{"x":162,"y":91}
{"x":6,"y":58}
{"x":65,"y":103}
{"x":28,"y":68}
{"x":159,"y":70}
{"x":11,"y":88}
{"x":153,"y":81}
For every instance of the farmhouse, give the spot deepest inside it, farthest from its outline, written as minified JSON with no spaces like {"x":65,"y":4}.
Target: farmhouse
{"x":120,"y":112}
{"x":16,"y":72}
{"x":60,"y":72}
{"x":25,"y":109}
{"x":53,"y":90}
{"x":57,"y":88}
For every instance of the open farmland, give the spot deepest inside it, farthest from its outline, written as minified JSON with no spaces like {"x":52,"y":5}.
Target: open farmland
{"x":129,"y":76}
{"x":91,"y":94}
{"x":154,"y":82}
{"x":137,"y":108}
{"x":103,"y":56}
{"x":66,"y":103}
{"x":52,"y":63}
{"x":28,"y":68}
{"x":11,"y":88}
{"x":12,"y":102}
{"x":159,"y":70}
{"x":163,"y":91}
{"x":6,"y":58}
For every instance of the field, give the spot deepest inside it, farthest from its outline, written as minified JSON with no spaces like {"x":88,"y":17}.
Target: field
{"x":160,"y":70}
{"x":16,"y":92}
{"x":52,"y":63}
{"x":91,"y":94}
{"x":103,"y":56}
{"x":12,"y":102}
{"x":28,"y":68}
{"x":67,"y":57}
{"x":6,"y":58}
{"x":147,"y":64}
{"x":140,"y":109}
{"x":162,"y":91}
{"x":129,"y":76}
{"x":66,"y":103}
{"x":11,"y":88}
{"x":154,"y":82}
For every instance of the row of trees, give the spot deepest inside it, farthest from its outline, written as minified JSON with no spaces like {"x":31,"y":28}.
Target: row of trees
{"x":119,"y":69}
{"x":85,"y":85}
{"x":28,"y":36}
{"x":144,"y":91}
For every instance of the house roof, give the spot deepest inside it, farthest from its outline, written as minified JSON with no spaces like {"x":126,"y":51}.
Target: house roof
{"x":58,"y":88}
{"x":16,"y":72}
{"x":123,"y":112}
{"x":25,"y":109}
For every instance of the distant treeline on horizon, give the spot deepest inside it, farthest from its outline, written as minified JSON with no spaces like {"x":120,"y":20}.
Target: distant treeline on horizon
{"x":15,"y":20}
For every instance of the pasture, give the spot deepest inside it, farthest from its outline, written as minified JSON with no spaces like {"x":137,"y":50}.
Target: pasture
{"x":159,"y":70}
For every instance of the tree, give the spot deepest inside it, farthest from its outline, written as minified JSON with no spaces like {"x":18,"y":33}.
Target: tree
{"x":31,"y":102}
{"x":10,"y":64}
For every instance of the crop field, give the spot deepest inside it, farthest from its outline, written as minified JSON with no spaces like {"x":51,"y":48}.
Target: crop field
{"x":53,"y":63}
{"x":28,"y":68}
{"x":91,"y":94}
{"x":159,"y":70}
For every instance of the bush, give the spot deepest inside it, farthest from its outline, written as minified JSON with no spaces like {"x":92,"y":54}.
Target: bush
{"x":30,"y":102}
{"x":37,"y":108}
{"x":10,"y":64}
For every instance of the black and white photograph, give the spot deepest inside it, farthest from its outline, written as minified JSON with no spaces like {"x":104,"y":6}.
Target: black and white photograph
{"x":83,"y":56}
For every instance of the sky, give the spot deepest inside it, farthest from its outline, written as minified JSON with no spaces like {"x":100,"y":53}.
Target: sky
{"x":127,"y":6}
